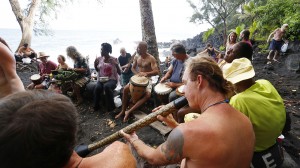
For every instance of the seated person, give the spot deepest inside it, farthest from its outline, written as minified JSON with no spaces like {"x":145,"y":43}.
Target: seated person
{"x":220,"y":137}
{"x":238,"y":50}
{"x":106,"y":66}
{"x":259,"y":101}
{"x":212,"y":52}
{"x":175,"y":71}
{"x":147,"y":67}
{"x":82,"y":68}
{"x":45,"y":68}
{"x":125,"y":63}
{"x":10,"y":82}
{"x":25,"y":51}
{"x":62,"y":65}
{"x":38,"y":129}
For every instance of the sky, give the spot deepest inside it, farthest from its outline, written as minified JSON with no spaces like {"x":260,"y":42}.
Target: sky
{"x":170,"y":16}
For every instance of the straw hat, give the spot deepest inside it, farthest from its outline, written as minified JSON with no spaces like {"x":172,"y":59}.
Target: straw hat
{"x":239,"y":70}
{"x":42,"y":54}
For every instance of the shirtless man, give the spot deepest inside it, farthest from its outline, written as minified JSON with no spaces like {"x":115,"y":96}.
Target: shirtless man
{"x":9,"y":80}
{"x":147,"y":66}
{"x":26,"y":51}
{"x":220,"y":137}
{"x":276,"y":43}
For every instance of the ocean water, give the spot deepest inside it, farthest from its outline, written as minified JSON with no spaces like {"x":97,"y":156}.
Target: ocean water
{"x":88,"y":43}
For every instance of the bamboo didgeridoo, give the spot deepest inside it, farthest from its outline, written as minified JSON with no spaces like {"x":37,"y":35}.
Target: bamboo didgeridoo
{"x":84,"y":150}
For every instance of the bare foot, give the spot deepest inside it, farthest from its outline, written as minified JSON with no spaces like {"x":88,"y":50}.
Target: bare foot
{"x":119,"y":115}
{"x":126,"y":116}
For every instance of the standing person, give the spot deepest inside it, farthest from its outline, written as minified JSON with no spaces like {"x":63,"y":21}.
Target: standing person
{"x":231,"y":40}
{"x":62,"y":65}
{"x":106,"y":66}
{"x":259,"y":101}
{"x":38,"y":129}
{"x":10,"y":82}
{"x":220,"y":137}
{"x":211,"y":51}
{"x":175,"y":71}
{"x":245,"y":37}
{"x":81,"y":67}
{"x":125,"y":63}
{"x":147,"y":67}
{"x":45,"y":68}
{"x":276,"y":43}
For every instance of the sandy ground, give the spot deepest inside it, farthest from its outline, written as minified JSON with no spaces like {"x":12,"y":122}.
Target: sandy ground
{"x":96,"y":126}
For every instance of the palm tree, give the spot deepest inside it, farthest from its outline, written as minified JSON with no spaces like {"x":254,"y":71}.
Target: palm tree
{"x":148,"y":29}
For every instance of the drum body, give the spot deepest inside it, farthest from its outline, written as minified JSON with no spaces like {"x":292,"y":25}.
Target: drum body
{"x":163,"y":91}
{"x":180,"y":90}
{"x":36,"y":79}
{"x":137,"y":87}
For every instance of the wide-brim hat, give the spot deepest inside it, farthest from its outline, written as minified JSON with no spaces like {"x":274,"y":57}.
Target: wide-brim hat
{"x":42,"y":55}
{"x":239,"y":70}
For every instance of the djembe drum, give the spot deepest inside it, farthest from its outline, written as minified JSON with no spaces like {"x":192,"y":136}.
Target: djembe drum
{"x":36,"y":79}
{"x":162,"y":90}
{"x":137,"y":87}
{"x":180,"y":90}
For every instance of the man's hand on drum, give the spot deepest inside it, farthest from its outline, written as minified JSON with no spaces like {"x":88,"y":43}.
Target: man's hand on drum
{"x":171,"y":84}
{"x":162,"y":80}
{"x":142,"y":74}
{"x":169,"y":120}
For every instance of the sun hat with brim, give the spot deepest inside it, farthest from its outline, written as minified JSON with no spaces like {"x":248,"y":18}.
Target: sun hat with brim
{"x":42,"y":55}
{"x":239,"y":70}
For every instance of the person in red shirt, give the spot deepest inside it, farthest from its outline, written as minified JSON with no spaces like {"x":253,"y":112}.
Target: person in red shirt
{"x":45,"y":68}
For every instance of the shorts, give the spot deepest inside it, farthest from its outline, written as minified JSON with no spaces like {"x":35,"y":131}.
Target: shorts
{"x":276,"y":45}
{"x":126,"y":78}
{"x":82,"y":81}
{"x":271,"y":157}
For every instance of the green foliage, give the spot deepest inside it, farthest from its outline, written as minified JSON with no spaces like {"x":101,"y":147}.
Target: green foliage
{"x":48,"y":10}
{"x":253,"y":28}
{"x":207,"y":34}
{"x":238,"y":29}
{"x":215,"y":12}
{"x":222,"y":48}
{"x":277,"y":12}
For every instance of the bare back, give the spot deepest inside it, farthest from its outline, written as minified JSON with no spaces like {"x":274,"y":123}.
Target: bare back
{"x":222,"y":137}
{"x":9,"y":80}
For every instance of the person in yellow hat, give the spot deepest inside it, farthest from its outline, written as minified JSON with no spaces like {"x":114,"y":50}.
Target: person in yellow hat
{"x":260,"y":101}
{"x":45,"y":68}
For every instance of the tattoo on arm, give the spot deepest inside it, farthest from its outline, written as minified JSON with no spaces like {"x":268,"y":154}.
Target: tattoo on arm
{"x":173,"y":147}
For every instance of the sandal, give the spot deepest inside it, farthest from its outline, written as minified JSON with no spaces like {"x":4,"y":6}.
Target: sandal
{"x":275,"y":60}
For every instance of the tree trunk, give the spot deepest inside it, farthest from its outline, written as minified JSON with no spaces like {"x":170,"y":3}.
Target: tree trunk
{"x":148,"y":29}
{"x":26,"y":22}
{"x":225,"y":33}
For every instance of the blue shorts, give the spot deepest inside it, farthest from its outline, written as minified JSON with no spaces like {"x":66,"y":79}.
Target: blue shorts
{"x":276,"y":45}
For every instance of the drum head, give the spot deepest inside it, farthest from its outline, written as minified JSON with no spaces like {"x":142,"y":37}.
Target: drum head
{"x":139,"y":80}
{"x":162,"y":88}
{"x":180,"y":89}
{"x":35,"y":77}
